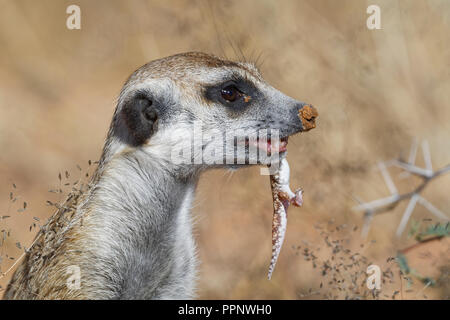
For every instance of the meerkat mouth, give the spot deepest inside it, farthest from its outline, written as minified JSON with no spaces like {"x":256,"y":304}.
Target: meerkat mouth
{"x":267,"y":146}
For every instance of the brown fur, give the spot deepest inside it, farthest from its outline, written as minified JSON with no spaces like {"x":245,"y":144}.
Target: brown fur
{"x":191,"y":61}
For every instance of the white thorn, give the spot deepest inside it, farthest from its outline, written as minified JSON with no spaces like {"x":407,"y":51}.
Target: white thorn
{"x":367,"y":221}
{"x":427,"y":156}
{"x":438,"y":213}
{"x":411,"y":158}
{"x":377,"y":203}
{"x":413,"y":152}
{"x":407,"y":215}
{"x":387,"y":178}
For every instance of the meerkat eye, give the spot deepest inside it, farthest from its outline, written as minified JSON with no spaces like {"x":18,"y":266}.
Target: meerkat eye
{"x":230,"y":93}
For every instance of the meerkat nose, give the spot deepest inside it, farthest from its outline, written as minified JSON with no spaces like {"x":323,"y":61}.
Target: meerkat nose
{"x":308,"y":114}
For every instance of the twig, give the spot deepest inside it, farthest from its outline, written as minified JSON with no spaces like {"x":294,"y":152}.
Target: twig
{"x":420,"y":243}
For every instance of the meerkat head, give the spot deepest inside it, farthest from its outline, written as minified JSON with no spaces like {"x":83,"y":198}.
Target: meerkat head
{"x":195,"y":110}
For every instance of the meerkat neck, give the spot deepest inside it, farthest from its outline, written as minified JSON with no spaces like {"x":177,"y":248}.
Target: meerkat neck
{"x":139,"y":227}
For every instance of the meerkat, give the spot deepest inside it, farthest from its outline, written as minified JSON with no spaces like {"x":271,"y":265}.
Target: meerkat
{"x":130,"y":231}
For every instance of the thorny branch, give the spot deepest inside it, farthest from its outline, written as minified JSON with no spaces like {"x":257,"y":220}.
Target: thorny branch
{"x":389,"y":203}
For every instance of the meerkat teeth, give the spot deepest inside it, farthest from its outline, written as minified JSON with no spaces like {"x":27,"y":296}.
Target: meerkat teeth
{"x":282,"y":196}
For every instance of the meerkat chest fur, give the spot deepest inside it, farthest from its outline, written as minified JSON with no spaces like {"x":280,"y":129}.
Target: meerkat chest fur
{"x":140,"y":227}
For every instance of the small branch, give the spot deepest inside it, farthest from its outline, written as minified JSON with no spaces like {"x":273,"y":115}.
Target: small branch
{"x":442,"y":171}
{"x":418,"y":244}
{"x":387,"y":204}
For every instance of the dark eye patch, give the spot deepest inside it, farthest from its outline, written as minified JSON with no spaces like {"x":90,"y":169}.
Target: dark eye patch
{"x":236,"y":94}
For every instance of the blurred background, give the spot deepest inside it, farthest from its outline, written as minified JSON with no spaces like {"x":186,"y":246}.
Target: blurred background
{"x":375,"y":90}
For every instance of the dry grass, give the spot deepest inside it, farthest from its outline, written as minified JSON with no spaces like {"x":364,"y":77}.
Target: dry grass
{"x":374,"y":90}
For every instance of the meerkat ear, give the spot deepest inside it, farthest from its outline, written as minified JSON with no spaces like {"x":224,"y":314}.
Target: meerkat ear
{"x":140,"y":117}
